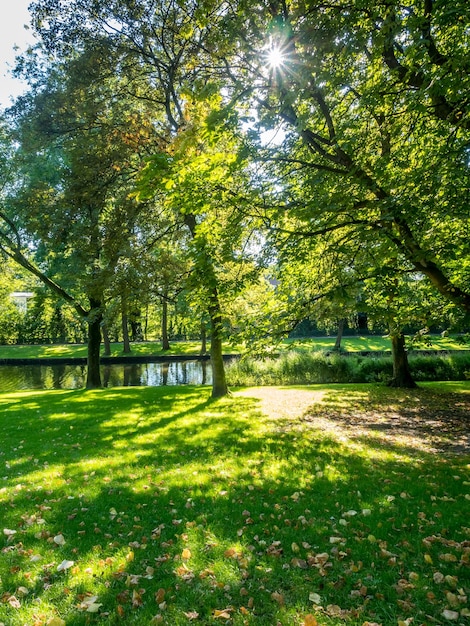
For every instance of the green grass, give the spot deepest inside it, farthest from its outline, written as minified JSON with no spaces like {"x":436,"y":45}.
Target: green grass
{"x":170,"y":504}
{"x":192,"y":348}
{"x":379,"y":343}
{"x":49,"y":351}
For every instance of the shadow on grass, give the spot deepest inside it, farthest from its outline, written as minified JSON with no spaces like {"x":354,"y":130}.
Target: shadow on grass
{"x":415,"y":421}
{"x":171,"y":503}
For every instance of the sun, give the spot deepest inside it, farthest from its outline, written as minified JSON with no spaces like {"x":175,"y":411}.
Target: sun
{"x":275,"y":57}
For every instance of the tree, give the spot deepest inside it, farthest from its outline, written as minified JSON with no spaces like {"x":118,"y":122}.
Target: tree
{"x":78,"y":152}
{"x":374,"y":118}
{"x":371,"y":102}
{"x":373,"y":105}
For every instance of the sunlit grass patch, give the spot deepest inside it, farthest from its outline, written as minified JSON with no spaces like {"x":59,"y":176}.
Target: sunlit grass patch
{"x":161,"y":505}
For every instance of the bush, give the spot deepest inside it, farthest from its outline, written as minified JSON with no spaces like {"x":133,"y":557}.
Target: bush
{"x":302,"y":368}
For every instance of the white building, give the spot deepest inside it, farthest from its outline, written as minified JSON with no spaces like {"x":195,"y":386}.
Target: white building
{"x":21,"y":299}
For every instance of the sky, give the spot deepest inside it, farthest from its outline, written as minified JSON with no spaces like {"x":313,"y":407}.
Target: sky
{"x":14,"y":15}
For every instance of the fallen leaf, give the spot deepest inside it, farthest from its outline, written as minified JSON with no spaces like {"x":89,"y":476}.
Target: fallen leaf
{"x":314,"y":597}
{"x":191,"y":615}
{"x":65,"y":565}
{"x":278,"y":597}
{"x":186,"y":554}
{"x":450,"y":615}
{"x":222,"y":614}
{"x":14,"y":602}
{"x":310,"y":620}
{"x":90,"y":605}
{"x":22,"y":591}
{"x":160,"y":596}
{"x":59,"y":540}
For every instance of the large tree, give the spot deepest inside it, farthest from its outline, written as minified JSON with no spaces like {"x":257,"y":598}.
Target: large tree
{"x":68,"y":205}
{"x":374,"y":105}
{"x":371,"y":103}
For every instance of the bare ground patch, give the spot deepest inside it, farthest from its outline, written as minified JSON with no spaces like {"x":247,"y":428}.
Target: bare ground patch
{"x":419,"y":419}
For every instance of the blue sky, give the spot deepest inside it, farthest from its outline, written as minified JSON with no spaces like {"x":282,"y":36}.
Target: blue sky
{"x":14,"y":15}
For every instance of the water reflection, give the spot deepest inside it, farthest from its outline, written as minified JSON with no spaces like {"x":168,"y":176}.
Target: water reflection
{"x":59,"y":376}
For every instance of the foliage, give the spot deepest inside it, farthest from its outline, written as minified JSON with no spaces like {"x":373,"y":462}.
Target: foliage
{"x":303,"y":368}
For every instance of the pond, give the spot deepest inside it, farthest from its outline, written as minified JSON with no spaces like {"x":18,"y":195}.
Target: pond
{"x":61,"y":376}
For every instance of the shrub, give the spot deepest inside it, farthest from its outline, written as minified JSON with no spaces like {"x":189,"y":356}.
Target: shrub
{"x":299,"y":367}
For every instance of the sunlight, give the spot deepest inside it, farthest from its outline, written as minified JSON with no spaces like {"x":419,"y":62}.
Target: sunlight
{"x":276,"y":57}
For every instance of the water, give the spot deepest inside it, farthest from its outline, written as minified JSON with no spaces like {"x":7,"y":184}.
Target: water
{"x":59,"y":376}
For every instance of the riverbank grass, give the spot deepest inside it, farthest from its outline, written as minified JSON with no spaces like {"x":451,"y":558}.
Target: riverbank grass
{"x":162,"y":506}
{"x":372,"y":343}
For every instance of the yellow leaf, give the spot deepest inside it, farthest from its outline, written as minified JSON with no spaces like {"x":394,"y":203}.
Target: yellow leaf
{"x":309,"y":620}
{"x":186,"y":554}
{"x":223,"y":614}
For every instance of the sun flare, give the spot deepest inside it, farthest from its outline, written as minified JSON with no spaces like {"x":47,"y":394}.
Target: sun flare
{"x":275,"y":57}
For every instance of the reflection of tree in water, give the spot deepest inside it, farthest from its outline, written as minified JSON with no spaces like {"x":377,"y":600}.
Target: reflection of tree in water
{"x":165,"y":367}
{"x":38,"y":375}
{"x":132,"y":375}
{"x":60,"y":376}
{"x":184,"y":374}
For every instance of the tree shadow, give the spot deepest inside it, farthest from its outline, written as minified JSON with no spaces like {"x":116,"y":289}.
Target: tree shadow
{"x":167,"y":507}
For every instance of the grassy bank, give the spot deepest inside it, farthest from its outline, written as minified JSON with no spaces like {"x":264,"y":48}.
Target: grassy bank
{"x":192,"y":348}
{"x":161,"y":506}
{"x":50,"y":351}
{"x":297,"y":367}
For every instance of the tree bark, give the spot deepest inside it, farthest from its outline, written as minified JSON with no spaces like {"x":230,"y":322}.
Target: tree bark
{"x":106,"y":341}
{"x":125,"y":326}
{"x":339,"y":334}
{"x":219,"y":385}
{"x":95,"y":316}
{"x":203,"y":350}
{"x":165,"y":340}
{"x":401,"y":371}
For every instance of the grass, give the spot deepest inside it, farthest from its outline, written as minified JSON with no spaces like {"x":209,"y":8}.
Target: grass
{"x":162,"y":506}
{"x":301,"y":366}
{"x":374,"y":343}
{"x":192,"y":348}
{"x":148,"y":348}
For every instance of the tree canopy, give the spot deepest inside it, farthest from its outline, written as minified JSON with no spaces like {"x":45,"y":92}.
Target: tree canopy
{"x":337,"y":132}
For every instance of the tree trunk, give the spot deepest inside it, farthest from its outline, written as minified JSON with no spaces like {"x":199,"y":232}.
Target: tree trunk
{"x":125,"y":326}
{"x":219,"y":385}
{"x":106,"y":341}
{"x":401,"y":372}
{"x":339,"y":334}
{"x":93,"y":378}
{"x":165,"y":341}
{"x":203,"y":350}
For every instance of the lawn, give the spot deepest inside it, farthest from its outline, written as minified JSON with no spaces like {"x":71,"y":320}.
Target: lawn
{"x":278,"y":506}
{"x":192,"y":348}
{"x":149,"y":348}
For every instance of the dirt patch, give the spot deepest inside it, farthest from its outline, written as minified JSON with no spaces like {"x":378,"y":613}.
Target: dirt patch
{"x":419,"y":420}
{"x":280,"y":402}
